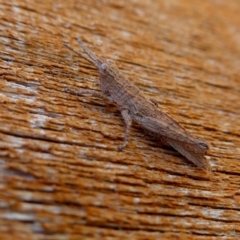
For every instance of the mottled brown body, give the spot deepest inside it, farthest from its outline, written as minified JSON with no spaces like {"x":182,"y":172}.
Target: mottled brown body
{"x":134,"y":106}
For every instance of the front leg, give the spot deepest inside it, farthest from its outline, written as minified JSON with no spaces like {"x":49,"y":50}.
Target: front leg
{"x":88,"y":92}
{"x":128,"y":121}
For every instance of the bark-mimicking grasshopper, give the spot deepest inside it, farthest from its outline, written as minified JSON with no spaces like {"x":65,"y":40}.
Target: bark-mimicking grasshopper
{"x":134,"y":106}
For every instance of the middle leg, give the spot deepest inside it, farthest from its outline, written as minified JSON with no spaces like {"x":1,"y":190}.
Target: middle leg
{"x":128,"y":121}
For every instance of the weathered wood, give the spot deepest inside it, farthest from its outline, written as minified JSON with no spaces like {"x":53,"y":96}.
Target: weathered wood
{"x":61,"y":175}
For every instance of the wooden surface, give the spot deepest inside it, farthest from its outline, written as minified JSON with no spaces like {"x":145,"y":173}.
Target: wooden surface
{"x":61,"y":176}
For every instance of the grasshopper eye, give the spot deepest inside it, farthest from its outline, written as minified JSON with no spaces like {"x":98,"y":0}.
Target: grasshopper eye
{"x":103,"y":67}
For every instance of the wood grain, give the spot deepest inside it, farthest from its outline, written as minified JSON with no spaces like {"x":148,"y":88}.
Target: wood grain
{"x":61,"y":176}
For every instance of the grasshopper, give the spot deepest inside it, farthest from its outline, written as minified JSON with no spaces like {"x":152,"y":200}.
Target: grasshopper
{"x":134,"y":106}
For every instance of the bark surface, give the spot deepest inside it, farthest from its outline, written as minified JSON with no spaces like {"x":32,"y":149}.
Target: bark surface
{"x":61,"y":175}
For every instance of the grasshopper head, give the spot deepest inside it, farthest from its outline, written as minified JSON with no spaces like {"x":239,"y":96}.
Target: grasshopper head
{"x":107,"y":66}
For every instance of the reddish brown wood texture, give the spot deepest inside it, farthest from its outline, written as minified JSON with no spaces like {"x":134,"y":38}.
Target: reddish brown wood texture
{"x":61,"y":176}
